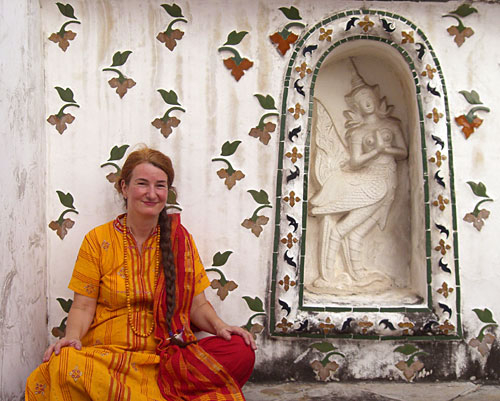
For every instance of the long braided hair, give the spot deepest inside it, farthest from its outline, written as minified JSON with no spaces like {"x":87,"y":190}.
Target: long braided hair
{"x":163,"y":162}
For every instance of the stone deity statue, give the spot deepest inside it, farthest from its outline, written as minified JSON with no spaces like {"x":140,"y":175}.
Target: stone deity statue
{"x":357,"y":175}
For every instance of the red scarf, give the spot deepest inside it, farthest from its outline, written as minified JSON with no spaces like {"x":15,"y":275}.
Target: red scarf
{"x":186,"y":373}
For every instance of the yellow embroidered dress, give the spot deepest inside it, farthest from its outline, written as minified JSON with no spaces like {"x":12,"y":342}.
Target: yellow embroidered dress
{"x":114,"y":363}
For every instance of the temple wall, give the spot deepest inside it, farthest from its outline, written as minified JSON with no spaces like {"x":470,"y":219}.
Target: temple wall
{"x":23,"y":257}
{"x":62,"y":118}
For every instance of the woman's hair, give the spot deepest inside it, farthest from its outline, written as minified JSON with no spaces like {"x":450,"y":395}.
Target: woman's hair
{"x":145,"y":155}
{"x":163,"y":162}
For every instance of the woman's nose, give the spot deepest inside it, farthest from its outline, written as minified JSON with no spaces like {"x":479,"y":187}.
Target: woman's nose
{"x":151,"y":191}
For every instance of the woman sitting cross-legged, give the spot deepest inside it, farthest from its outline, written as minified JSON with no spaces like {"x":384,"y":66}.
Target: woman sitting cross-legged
{"x":139,"y":289}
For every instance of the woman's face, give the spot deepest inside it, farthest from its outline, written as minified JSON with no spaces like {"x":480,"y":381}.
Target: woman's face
{"x":147,"y":191}
{"x":366,"y":101}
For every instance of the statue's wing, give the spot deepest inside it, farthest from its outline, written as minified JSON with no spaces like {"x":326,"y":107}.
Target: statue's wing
{"x":331,"y":149}
{"x":346,"y":191}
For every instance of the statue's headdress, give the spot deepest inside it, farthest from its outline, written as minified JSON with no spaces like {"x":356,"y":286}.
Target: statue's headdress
{"x":357,"y":80}
{"x":358,"y":83}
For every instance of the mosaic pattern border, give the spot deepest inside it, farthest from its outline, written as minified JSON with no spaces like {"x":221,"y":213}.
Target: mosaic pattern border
{"x":440,"y":318}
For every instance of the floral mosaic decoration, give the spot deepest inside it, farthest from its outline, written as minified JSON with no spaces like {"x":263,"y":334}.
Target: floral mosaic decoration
{"x":325,"y":368}
{"x":229,"y":174}
{"x":170,"y":36}
{"x":167,"y":122}
{"x":263,"y":129}
{"x":121,"y":83}
{"x":256,"y":222}
{"x":460,"y":31}
{"x":484,"y":341}
{"x":236,"y":64}
{"x":116,"y":153}
{"x":222,"y":285}
{"x":62,"y":224}
{"x":172,"y":200}
{"x":61,"y":119}
{"x":411,"y":366}
{"x":60,"y":330}
{"x":287,"y":282}
{"x":255,"y":305}
{"x":477,"y":216}
{"x":471,"y":121}
{"x":63,"y":36}
{"x":285,"y":38}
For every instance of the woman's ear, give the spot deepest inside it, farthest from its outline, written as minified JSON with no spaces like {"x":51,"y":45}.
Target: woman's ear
{"x":124,"y":189}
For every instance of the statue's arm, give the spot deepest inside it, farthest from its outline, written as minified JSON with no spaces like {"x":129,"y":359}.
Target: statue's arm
{"x":398,"y":147}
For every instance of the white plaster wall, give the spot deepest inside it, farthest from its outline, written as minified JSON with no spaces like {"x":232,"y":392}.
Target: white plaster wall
{"x":476,"y":65}
{"x":23,"y":272}
{"x":218,"y":109}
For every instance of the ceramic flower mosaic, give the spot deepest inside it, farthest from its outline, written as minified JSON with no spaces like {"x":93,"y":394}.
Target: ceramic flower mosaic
{"x":168,"y":122}
{"x":172,"y":35}
{"x":62,"y":119}
{"x":221,"y":284}
{"x":237,"y":65}
{"x":229,"y":174}
{"x":63,"y":36}
{"x":122,"y":83}
{"x":460,"y":32}
{"x":63,"y":224}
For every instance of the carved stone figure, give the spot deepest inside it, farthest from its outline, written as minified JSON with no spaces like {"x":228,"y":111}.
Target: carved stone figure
{"x":357,"y":175}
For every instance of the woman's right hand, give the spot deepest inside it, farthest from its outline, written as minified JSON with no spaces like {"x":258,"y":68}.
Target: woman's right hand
{"x":63,"y":342}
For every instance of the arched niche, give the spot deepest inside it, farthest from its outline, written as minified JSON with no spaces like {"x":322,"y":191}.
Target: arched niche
{"x":396,"y":250}
{"x":417,"y":247}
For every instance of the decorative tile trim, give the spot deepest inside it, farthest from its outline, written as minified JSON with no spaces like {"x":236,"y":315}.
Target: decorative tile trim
{"x":167,"y":123}
{"x":122,"y":83}
{"x":236,"y":64}
{"x":438,"y":317}
{"x":61,"y":119}
{"x":171,"y":36}
{"x":460,"y":32}
{"x":63,"y":224}
{"x":63,"y":36}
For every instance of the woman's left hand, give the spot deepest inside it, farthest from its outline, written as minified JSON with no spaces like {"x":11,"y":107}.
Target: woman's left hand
{"x":226,"y":331}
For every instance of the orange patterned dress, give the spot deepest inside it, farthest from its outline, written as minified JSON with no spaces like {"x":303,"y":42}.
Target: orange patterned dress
{"x":116,"y":364}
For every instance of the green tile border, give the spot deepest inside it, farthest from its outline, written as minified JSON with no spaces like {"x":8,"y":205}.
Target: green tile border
{"x":427,"y":179}
{"x":361,"y":309}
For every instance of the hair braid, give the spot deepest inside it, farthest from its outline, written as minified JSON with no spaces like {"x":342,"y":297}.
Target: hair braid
{"x":163,"y":162}
{"x":168,"y":262}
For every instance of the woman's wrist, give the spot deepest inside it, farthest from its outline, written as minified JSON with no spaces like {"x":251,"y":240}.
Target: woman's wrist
{"x":219,"y":326}
{"x":71,"y":336}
